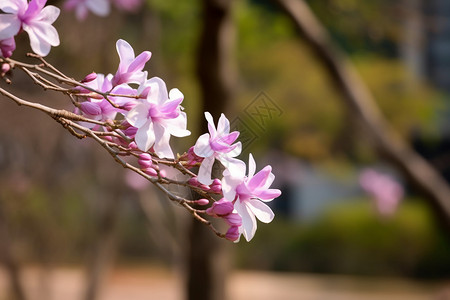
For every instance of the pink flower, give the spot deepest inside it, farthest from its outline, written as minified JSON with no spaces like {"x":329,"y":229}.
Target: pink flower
{"x":7,"y":47}
{"x":99,"y":108}
{"x":217,"y":144}
{"x":82,"y":7}
{"x":157,"y":118}
{"x":249,"y":194}
{"x":386,"y":192}
{"x":33,"y":18}
{"x":130,"y":67}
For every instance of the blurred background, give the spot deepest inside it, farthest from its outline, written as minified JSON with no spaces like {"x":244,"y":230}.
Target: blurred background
{"x":74,"y":224}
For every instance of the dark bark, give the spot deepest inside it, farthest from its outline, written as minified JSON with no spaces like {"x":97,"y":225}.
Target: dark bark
{"x":358,"y":99}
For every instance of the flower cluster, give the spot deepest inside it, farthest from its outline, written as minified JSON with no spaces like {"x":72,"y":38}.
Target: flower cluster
{"x":138,"y":115}
{"x":100,"y":7}
{"x":150,"y":115}
{"x":34,"y":18}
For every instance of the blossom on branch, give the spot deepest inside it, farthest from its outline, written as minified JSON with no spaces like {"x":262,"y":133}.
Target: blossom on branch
{"x":217,"y":144}
{"x":130,"y":67}
{"x":157,"y":118}
{"x":33,"y":18}
{"x":248,"y":193}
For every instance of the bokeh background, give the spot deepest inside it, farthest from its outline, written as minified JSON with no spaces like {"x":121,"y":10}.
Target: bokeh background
{"x":74,"y":224}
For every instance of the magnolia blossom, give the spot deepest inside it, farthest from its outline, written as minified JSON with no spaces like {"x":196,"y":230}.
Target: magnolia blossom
{"x":130,"y":67}
{"x":82,"y":7}
{"x":98,"y":108}
{"x":249,"y":194}
{"x":33,"y":18}
{"x":386,"y":192}
{"x":157,"y":118}
{"x":217,"y":144}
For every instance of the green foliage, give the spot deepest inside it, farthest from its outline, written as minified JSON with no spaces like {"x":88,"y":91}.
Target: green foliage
{"x":352,"y":239}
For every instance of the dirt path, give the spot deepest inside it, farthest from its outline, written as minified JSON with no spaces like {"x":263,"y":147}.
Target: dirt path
{"x":157,"y":283}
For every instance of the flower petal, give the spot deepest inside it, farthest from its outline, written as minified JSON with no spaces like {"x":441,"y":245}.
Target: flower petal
{"x":138,"y":116}
{"x":268,"y":195}
{"x":162,"y":137}
{"x":139,"y":62}
{"x":177,"y":126}
{"x":145,"y":136}
{"x":202,"y":147}
{"x":251,"y":166}
{"x":13,"y":6}
{"x":223,"y":126}
{"x":9,"y":26}
{"x":126,"y":55}
{"x":158,"y":91}
{"x":204,"y":172}
{"x":261,"y":210}
{"x":49,"y":14}
{"x":248,"y":220}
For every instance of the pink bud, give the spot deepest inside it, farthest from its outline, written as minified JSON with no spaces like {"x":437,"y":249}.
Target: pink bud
{"x":204,"y":187}
{"x":108,"y":138}
{"x":132,"y":146}
{"x":232,"y":233}
{"x":220,"y":208}
{"x":194,"y":181}
{"x":233,"y":219}
{"x":89,"y":77}
{"x":5,"y":68}
{"x":130,"y":131}
{"x":90,"y":108}
{"x":216,"y":189}
{"x":145,"y":160}
{"x":162,"y":173}
{"x":151,"y":172}
{"x":202,"y":201}
{"x":216,"y":181}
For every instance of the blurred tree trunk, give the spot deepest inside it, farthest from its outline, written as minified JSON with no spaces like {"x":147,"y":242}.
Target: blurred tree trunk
{"x":358,"y":99}
{"x":8,"y":260}
{"x":207,"y":262}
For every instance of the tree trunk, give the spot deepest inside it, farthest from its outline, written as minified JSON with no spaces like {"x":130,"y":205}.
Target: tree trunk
{"x":358,"y":99}
{"x":207,"y":262}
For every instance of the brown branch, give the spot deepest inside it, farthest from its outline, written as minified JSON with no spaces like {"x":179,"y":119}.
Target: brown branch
{"x":360,"y":102}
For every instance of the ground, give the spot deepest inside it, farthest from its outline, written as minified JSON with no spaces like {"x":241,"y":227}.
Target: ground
{"x":158,"y":283}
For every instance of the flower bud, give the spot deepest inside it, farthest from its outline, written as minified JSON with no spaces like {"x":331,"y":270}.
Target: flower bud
{"x":233,"y":233}
{"x":130,"y":131}
{"x":151,"y":171}
{"x":194,"y":181}
{"x":202,"y":202}
{"x":89,"y":77}
{"x":216,"y":189}
{"x":132,"y":146}
{"x":205,"y":187}
{"x":90,"y":108}
{"x":5,"y":68}
{"x":220,"y":208}
{"x":233,"y":219}
{"x":162,"y":173}
{"x":145,"y":160}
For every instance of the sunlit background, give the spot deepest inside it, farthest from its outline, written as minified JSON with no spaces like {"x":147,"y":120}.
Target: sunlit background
{"x":75,"y":225}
